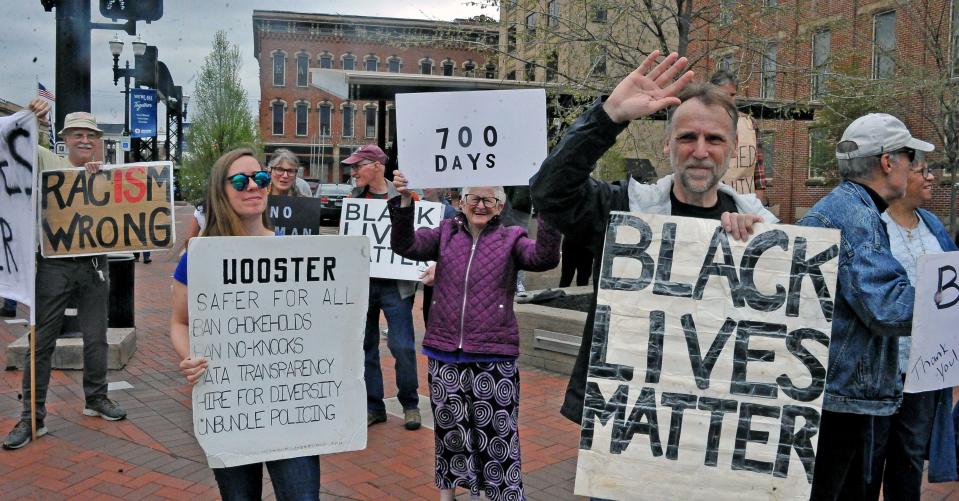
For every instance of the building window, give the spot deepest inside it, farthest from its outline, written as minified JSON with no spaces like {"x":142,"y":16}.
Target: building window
{"x":390,"y":122}
{"x":821,"y":157}
{"x":469,"y":68}
{"x":371,"y":63}
{"x":531,"y":25}
{"x":278,"y":107}
{"x":511,"y":39}
{"x":728,"y":63}
{"x":511,"y":75}
{"x":768,"y":90}
{"x":768,"y":147}
{"x":349,"y":113}
{"x":599,"y":14}
{"x":326,"y":115}
{"x":552,"y":66}
{"x":302,"y":110}
{"x":448,"y":67}
{"x":821,"y":43}
{"x":369,"y":118}
{"x":726,"y":12}
{"x":279,"y":68}
{"x":530,"y":70}
{"x":426,"y":66}
{"x":349,"y":62}
{"x":393,"y":64}
{"x":954,"y":38}
{"x":599,"y":65}
{"x":490,"y":70}
{"x":302,"y":69}
{"x":326,"y":61}
{"x":884,"y":45}
{"x":552,"y":14}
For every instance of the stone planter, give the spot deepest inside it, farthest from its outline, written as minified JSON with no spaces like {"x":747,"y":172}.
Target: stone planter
{"x":549,"y":337}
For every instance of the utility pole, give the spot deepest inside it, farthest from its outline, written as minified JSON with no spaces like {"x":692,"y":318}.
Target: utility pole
{"x":73,"y":57}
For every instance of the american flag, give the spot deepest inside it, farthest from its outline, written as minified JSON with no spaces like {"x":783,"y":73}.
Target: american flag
{"x":44,"y":93}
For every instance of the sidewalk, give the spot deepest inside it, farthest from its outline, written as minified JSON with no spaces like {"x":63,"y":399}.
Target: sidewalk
{"x":153,"y":454}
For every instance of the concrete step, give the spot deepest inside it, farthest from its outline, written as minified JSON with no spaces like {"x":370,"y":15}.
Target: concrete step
{"x":122,"y":344}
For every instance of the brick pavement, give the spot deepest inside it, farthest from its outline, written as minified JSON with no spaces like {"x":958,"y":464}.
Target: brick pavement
{"x":153,"y":455}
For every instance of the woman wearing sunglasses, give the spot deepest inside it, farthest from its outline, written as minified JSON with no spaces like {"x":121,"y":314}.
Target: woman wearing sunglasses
{"x":922,"y":427}
{"x":236,"y":199}
{"x":472,"y":338}
{"x":283,"y":168}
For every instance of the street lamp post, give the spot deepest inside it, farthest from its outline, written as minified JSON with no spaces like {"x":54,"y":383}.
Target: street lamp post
{"x":116,"y":48}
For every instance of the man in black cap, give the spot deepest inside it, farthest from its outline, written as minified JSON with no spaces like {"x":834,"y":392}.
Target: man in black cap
{"x":395,"y":297}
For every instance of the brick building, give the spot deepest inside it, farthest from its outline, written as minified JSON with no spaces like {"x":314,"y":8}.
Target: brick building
{"x":322,"y":128}
{"x":787,"y":53}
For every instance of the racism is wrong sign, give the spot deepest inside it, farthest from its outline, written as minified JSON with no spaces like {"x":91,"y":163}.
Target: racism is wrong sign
{"x":708,"y":362}
{"x":371,"y":218}
{"x":121,"y":208}
{"x":474,"y":138}
{"x":280,"y":320}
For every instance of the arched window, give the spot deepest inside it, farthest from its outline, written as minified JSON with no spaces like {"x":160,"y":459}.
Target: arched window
{"x":426,"y":66}
{"x":394,"y":64}
{"x":349,"y":114}
{"x":490,"y":70}
{"x":372,"y":62}
{"x":326,"y":117}
{"x":448,"y":65}
{"x":369,"y":120}
{"x":302,"y":112}
{"x":469,"y":68}
{"x":326,"y":61}
{"x":279,"y":107}
{"x":279,"y":68}
{"x":349,"y":61}
{"x":302,"y":69}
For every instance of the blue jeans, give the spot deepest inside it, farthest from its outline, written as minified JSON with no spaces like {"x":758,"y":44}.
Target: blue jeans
{"x":384,"y":295}
{"x":293,"y":479}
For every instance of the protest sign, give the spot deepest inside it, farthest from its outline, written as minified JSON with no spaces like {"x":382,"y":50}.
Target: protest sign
{"x":708,"y":362}
{"x":477,"y":138}
{"x":371,"y":218}
{"x":281,"y":322}
{"x":294,"y":215}
{"x":143,"y":113}
{"x":18,"y":207}
{"x":122,"y":208}
{"x":934,"y":350}
{"x":742,"y":167}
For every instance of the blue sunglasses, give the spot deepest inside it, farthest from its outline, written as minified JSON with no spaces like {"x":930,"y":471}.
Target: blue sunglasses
{"x":241,"y":181}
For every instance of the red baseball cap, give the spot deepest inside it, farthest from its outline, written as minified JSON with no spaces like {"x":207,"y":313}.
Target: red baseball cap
{"x":369,"y":152}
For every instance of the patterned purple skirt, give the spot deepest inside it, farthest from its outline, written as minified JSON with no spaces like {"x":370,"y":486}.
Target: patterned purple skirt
{"x":476,"y":411}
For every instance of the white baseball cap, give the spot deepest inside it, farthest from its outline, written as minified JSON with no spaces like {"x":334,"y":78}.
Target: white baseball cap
{"x":878,"y":133}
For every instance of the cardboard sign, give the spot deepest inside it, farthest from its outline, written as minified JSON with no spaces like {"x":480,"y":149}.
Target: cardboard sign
{"x":281,"y":322}
{"x":294,"y":215}
{"x":371,"y":218}
{"x":122,"y":208}
{"x":934,"y":353}
{"x":742,"y":167}
{"x":143,"y":112}
{"x":18,"y":207}
{"x":708,"y":362}
{"x":477,"y":138}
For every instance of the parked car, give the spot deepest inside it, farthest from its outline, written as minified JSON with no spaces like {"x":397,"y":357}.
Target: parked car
{"x":331,"y":200}
{"x":313,"y":182}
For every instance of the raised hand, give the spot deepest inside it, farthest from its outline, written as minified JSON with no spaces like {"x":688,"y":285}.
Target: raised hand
{"x":399,"y":182}
{"x":648,"y":88}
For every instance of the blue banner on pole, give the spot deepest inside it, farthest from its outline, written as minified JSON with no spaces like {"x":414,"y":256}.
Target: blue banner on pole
{"x":143,"y":113}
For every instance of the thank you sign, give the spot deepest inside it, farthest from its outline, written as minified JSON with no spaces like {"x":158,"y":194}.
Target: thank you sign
{"x":934,"y":351}
{"x":122,"y":208}
{"x":477,"y":138}
{"x":708,"y":362}
{"x":18,"y":208}
{"x":280,"y":320}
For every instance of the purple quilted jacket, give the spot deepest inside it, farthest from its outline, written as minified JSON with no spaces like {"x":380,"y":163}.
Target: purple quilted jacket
{"x":472,"y":305}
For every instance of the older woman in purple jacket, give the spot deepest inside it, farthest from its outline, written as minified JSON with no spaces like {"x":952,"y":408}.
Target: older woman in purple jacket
{"x":472,"y":338}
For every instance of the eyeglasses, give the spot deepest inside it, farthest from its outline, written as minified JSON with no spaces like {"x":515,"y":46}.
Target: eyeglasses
{"x":360,"y":165}
{"x":925,"y":170}
{"x":474,"y":200}
{"x":241,"y":181}
{"x":280,"y":171}
{"x":909,"y":152}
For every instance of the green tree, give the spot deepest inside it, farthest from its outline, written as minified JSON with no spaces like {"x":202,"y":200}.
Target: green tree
{"x":221,"y":121}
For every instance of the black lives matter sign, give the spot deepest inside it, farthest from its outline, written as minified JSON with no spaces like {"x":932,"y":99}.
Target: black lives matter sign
{"x":708,"y":363}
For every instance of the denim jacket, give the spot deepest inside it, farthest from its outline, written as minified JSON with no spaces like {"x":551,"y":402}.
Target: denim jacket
{"x":873,"y":306}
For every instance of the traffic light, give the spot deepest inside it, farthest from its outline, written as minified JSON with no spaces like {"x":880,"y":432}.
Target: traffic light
{"x":132,"y":10}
